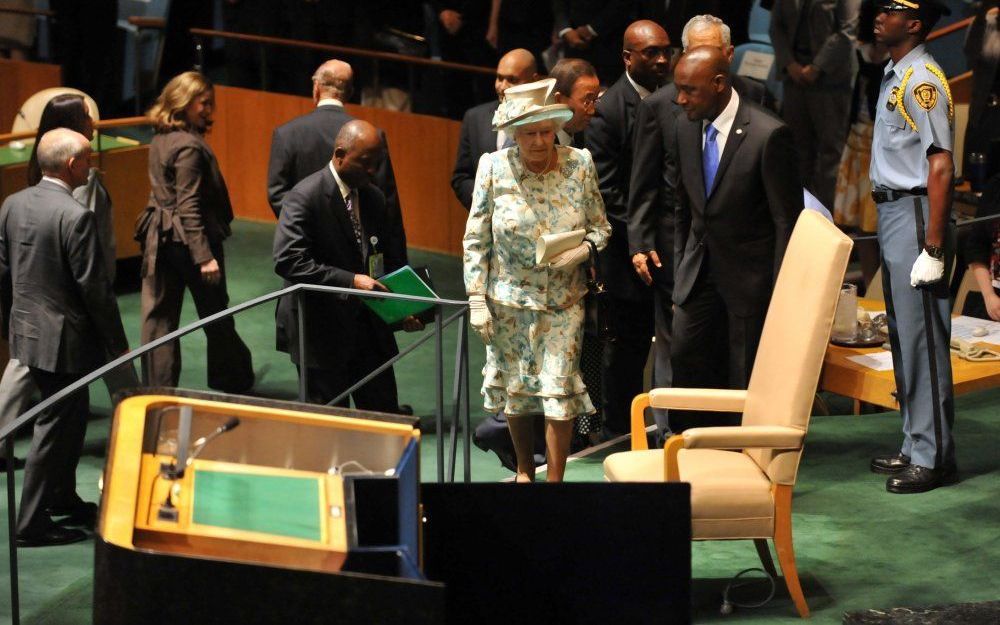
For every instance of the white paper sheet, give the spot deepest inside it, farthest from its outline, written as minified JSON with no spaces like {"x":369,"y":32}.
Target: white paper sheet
{"x":962,"y":327}
{"x":879,"y":361}
{"x":756,"y":65}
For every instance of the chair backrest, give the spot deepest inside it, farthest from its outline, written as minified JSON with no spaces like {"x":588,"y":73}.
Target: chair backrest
{"x":30,"y":114}
{"x":795,"y":336}
{"x":968,"y":285}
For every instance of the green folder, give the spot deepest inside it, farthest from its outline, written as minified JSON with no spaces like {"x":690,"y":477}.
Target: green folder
{"x":406,"y":282}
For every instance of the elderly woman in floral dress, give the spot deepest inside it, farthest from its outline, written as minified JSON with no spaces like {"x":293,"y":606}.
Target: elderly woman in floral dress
{"x":530,"y":314}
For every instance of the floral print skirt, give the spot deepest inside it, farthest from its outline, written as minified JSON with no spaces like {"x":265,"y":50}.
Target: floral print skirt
{"x":533,"y":363}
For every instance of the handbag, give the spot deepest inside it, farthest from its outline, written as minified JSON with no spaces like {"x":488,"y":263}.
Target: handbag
{"x":597,"y":317}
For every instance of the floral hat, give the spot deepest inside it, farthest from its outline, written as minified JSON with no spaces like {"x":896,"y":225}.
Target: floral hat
{"x":529,"y":104}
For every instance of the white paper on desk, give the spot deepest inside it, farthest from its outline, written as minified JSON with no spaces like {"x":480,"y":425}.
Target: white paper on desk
{"x":962,"y":327}
{"x":551,"y":244}
{"x":879,"y":361}
{"x":756,"y":65}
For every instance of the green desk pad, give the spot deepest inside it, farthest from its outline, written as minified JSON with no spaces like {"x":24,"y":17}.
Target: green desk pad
{"x":270,"y":504}
{"x":16,"y":157}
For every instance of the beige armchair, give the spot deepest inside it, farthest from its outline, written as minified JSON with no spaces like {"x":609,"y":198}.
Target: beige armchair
{"x":742,"y":477}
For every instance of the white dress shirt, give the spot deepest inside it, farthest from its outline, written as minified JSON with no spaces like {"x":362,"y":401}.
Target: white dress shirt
{"x":642,"y":91}
{"x":330,"y":102}
{"x":346,"y":192}
{"x":723,"y":123}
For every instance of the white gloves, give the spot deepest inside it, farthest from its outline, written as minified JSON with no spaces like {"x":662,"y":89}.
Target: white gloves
{"x":480,"y":318}
{"x":571,"y":257}
{"x":926,"y":270}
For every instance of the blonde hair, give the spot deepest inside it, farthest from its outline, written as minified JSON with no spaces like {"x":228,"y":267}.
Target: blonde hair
{"x":168,"y":112}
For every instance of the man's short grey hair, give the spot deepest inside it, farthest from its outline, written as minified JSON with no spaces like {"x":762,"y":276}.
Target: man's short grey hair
{"x":699,"y":22}
{"x":57,"y":146}
{"x":329,"y":81}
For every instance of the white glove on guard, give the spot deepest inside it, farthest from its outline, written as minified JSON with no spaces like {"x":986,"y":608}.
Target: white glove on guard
{"x":926,"y":270}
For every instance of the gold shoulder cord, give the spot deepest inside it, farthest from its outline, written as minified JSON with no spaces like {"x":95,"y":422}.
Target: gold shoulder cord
{"x":902,"y":98}
{"x":947,"y":90}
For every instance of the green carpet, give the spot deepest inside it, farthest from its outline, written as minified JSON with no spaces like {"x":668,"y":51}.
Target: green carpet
{"x":857,"y":546}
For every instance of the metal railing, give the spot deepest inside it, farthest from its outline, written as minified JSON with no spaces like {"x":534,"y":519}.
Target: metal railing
{"x":460,"y":419}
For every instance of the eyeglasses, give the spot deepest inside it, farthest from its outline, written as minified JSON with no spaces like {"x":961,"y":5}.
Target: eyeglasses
{"x":650,"y":53}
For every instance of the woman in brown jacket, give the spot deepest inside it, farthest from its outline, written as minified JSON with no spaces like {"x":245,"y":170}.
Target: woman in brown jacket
{"x":181,"y":234}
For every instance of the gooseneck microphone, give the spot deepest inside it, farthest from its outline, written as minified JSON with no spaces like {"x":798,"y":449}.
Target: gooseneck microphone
{"x":201,"y":443}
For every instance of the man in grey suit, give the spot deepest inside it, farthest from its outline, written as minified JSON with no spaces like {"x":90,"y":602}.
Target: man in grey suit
{"x":61,"y":318}
{"x":814,"y":49}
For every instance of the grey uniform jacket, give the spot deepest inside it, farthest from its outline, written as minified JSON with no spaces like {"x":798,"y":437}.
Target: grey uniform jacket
{"x":59,"y":310}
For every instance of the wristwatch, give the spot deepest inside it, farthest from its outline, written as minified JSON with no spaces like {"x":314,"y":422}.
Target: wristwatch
{"x":935,"y":252}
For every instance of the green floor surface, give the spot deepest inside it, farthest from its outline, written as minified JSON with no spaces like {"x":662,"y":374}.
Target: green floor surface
{"x":857,"y":546}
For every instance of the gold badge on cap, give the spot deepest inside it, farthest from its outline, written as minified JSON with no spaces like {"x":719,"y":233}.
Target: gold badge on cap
{"x":926,"y":95}
{"x":893,"y":99}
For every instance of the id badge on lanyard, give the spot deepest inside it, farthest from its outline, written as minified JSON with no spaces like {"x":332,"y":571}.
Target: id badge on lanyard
{"x":376,"y":262}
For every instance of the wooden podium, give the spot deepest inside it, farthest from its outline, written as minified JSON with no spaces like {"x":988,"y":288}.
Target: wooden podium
{"x":219,"y":508}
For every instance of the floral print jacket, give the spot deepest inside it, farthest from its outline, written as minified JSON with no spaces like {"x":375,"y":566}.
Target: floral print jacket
{"x":511,"y":209}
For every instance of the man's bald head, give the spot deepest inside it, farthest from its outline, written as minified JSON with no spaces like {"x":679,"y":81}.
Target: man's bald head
{"x":702,"y":81}
{"x":333,"y":79}
{"x":357,"y":153}
{"x":63,"y":153}
{"x":515,"y":68}
{"x":646,"y":52}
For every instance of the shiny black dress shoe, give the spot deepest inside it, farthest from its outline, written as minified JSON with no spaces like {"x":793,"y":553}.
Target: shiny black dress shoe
{"x":54,"y":535}
{"x":890,"y":464}
{"x":918,"y":479}
{"x":82,"y":514}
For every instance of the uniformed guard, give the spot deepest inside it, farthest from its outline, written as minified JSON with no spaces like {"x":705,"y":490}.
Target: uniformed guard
{"x":911,"y":174}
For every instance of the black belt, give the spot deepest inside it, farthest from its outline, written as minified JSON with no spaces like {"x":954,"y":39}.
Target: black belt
{"x":891,"y":195}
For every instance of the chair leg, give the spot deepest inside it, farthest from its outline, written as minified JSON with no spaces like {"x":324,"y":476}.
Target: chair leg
{"x":764,"y":553}
{"x":783,"y":546}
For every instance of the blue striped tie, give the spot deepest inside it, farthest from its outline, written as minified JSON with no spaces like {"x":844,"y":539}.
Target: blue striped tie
{"x":710,"y":158}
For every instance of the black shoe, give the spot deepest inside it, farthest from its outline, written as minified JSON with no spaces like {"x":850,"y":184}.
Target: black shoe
{"x":890,"y":464}
{"x":918,"y":479}
{"x":82,"y":514}
{"x":54,"y":535}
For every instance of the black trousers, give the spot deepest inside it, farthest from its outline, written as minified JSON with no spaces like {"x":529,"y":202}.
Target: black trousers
{"x":712,"y":348}
{"x":56,"y":444}
{"x":230,"y":368}
{"x":323,"y":384}
{"x":625,"y":359}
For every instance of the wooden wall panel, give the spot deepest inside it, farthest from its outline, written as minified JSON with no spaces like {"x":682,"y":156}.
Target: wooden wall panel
{"x":19,"y":80}
{"x":422,"y":150}
{"x":127,"y":181}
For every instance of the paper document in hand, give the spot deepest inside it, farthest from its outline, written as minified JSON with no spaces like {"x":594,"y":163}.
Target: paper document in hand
{"x":406,"y":282}
{"x":551,"y":244}
{"x":879,"y":361}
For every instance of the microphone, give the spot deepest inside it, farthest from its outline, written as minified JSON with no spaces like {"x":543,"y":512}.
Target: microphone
{"x":201,"y":443}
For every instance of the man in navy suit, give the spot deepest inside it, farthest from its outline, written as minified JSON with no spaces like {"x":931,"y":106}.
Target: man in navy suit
{"x":330,"y":225}
{"x":304,"y":145}
{"x":646,"y":52}
{"x":477,"y":136}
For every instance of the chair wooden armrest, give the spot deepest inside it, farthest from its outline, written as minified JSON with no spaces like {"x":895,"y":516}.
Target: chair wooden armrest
{"x":141,"y":21}
{"x":744,"y":437}
{"x":736,"y":437}
{"x":707,"y":399}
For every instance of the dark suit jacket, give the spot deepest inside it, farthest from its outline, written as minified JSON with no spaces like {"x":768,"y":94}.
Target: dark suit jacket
{"x":608,"y":18}
{"x":833,"y":31}
{"x":652,"y":197}
{"x":744,"y":224}
{"x":477,"y":138}
{"x":314,"y":244}
{"x":188,"y":194}
{"x":609,"y":139}
{"x":305,"y":145}
{"x":59,"y":309}
{"x":984,"y":70}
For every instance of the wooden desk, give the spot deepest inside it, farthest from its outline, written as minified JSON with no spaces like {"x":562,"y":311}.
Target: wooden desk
{"x":848,"y":378}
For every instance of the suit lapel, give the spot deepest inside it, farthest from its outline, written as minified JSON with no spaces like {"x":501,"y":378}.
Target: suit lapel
{"x":736,"y":134}
{"x":689,"y":138}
